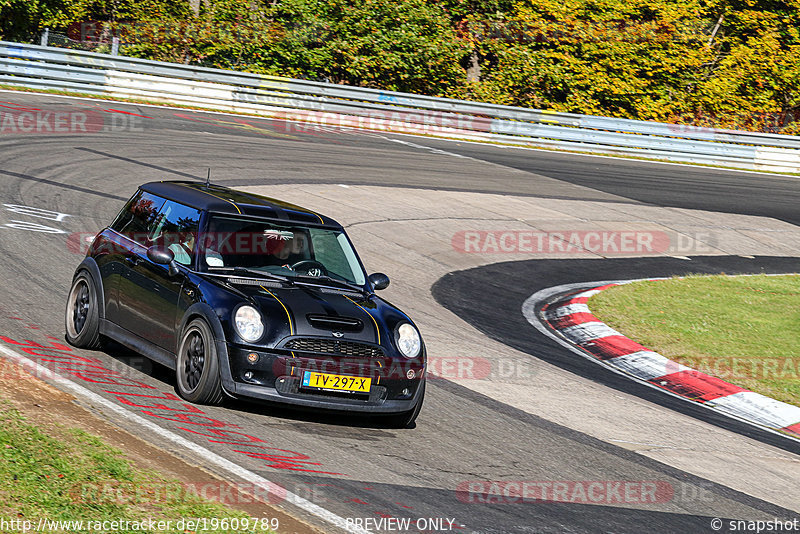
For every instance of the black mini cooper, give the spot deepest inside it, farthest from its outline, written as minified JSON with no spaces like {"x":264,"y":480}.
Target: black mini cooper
{"x":247,"y":296}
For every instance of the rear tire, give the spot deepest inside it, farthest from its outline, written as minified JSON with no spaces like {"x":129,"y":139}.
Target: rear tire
{"x":407,"y":419}
{"x":82,"y":316}
{"x":197,"y":366}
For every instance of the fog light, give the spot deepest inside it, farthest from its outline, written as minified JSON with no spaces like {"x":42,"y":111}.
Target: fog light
{"x":252,"y":357}
{"x":410,"y":374}
{"x":248,"y":375}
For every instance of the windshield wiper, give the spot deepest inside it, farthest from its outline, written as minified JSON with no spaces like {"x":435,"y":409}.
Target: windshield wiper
{"x":241,"y":271}
{"x":330,"y":279}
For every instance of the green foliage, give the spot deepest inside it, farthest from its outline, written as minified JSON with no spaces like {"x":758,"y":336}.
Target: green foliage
{"x":644,"y":59}
{"x":754,"y":69}
{"x":19,"y":19}
{"x":405,"y":45}
{"x":728,"y":63}
{"x":618,"y":58}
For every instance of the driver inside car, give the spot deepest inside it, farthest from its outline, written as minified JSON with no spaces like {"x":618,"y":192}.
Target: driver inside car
{"x":293,"y":250}
{"x":284,"y":248}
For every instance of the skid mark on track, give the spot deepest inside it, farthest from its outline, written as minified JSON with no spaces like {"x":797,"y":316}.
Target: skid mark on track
{"x":142,"y":163}
{"x":60,"y":185}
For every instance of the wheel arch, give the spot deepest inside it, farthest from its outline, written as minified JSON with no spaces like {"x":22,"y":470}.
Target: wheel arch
{"x":203,"y":311}
{"x":89,"y":265}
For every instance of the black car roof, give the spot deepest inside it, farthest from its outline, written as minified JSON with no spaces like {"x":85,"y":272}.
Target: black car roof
{"x":226,"y":200}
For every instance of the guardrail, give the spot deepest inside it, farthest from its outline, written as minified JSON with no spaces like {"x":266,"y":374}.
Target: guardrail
{"x":42,"y":67}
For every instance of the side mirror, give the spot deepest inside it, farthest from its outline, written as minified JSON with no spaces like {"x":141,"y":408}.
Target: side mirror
{"x":379,"y":281}
{"x":163,"y":256}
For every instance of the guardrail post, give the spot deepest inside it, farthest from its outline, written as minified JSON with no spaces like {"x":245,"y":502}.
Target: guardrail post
{"x":115,"y":46}
{"x":45,"y":36}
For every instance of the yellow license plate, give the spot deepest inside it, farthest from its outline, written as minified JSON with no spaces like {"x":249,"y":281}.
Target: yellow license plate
{"x":336,"y":382}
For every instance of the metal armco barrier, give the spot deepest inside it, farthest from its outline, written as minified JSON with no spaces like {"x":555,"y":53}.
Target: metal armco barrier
{"x":334,"y":105}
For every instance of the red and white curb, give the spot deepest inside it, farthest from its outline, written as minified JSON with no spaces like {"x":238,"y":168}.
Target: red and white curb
{"x":562,"y":314}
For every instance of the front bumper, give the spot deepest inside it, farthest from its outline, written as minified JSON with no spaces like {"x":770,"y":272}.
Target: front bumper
{"x":277,"y":376}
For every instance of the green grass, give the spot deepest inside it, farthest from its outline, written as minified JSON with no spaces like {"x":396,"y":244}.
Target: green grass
{"x":68,"y":474}
{"x":743,"y":329}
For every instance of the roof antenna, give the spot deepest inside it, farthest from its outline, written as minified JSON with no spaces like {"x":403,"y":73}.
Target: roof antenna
{"x":208,"y":178}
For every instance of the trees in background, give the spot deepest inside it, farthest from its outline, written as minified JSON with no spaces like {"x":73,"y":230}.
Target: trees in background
{"x":720,"y":62}
{"x":731,"y":63}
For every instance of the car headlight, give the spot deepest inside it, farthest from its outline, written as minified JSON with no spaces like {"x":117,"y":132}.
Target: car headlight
{"x":249,"y":324}
{"x":407,"y":340}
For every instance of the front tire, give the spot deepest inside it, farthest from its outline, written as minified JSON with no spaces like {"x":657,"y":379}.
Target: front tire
{"x":197,"y":369}
{"x":82,"y":317}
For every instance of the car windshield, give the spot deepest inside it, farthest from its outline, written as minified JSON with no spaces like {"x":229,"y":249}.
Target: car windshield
{"x":288,"y":249}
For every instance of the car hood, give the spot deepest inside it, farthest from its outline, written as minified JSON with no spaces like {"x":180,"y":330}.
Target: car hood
{"x":308,"y":311}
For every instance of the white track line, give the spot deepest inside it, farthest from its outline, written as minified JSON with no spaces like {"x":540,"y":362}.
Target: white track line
{"x":429,"y":149}
{"x":201,"y":452}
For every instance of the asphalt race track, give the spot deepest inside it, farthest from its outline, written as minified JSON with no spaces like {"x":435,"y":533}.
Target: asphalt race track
{"x":510,"y":283}
{"x":356,"y":468}
{"x":659,"y":184}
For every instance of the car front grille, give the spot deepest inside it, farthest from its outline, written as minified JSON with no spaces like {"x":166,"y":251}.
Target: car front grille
{"x":334,"y":346}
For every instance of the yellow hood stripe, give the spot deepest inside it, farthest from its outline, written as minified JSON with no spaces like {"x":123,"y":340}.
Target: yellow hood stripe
{"x":291,"y":327}
{"x":377,"y":330}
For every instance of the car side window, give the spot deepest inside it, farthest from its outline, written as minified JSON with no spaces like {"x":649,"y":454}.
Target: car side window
{"x":176,"y":228}
{"x":139,"y":217}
